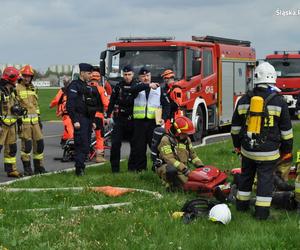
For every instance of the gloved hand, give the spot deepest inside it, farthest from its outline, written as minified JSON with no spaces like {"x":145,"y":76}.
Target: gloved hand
{"x":237,"y":151}
{"x":286,"y":157}
{"x":186,"y":172}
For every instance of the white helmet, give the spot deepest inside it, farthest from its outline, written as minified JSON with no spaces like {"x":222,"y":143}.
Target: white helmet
{"x":265,"y":73}
{"x":220,"y":213}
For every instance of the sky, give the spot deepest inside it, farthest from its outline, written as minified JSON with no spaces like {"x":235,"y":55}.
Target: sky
{"x":47,"y":32}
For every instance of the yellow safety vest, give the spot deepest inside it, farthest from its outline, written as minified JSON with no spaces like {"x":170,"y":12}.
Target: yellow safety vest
{"x":146,"y":108}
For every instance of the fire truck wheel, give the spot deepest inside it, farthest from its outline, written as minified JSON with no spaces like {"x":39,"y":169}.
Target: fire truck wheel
{"x":199,"y":125}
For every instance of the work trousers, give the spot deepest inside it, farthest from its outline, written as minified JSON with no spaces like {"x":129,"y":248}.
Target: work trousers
{"x":8,"y":139}
{"x":142,"y":136}
{"x":82,"y":141}
{"x":123,"y":127}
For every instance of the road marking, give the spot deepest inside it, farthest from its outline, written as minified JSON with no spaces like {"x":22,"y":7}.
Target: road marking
{"x":51,"y":136}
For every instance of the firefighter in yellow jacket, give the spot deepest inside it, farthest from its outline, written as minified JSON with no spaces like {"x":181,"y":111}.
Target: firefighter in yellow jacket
{"x":31,"y":130}
{"x":176,"y":152}
{"x":8,"y":119}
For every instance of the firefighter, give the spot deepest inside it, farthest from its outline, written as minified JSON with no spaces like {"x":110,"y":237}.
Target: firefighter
{"x":262,"y":132}
{"x":8,"y":120}
{"x":99,"y":117}
{"x":146,"y":105}
{"x":81,"y":107}
{"x":60,"y":101}
{"x":121,"y":105}
{"x":176,"y":151}
{"x":31,"y":129}
{"x":297,"y":112}
{"x":172,"y":90}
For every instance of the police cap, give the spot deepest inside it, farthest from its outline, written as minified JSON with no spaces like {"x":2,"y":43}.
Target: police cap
{"x":144,"y":71}
{"x":85,"y":67}
{"x":127,"y":68}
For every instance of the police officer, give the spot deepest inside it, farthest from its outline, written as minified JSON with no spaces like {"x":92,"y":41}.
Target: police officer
{"x":176,"y":151}
{"x":260,"y":150}
{"x":31,"y":133}
{"x":8,"y":119}
{"x":121,"y":105}
{"x":78,"y":107}
{"x":146,"y":105}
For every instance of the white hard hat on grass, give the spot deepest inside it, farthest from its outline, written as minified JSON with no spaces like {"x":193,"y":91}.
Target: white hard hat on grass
{"x":220,"y":213}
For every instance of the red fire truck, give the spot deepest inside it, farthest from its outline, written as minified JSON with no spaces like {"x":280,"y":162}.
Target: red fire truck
{"x":212,"y":72}
{"x":287,"y":66}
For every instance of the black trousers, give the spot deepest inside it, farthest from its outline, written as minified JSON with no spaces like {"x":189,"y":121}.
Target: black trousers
{"x":264,"y":170}
{"x":82,"y":141}
{"x":123,"y":128}
{"x":142,"y":135}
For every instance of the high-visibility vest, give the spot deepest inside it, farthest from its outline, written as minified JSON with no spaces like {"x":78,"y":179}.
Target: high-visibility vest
{"x":146,"y":108}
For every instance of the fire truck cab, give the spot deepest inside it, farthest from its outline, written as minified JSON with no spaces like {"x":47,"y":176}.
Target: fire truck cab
{"x":287,"y":66}
{"x":211,"y":72}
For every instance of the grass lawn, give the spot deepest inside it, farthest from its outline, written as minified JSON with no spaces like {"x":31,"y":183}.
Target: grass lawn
{"x":146,"y":224}
{"x":45,"y":97}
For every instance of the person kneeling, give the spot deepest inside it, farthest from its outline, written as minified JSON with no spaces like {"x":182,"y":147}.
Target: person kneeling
{"x":176,"y":151}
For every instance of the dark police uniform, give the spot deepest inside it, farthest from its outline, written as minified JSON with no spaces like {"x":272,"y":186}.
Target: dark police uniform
{"x":121,"y":103}
{"x":260,"y":155}
{"x":144,"y":121}
{"x":79,"y":112}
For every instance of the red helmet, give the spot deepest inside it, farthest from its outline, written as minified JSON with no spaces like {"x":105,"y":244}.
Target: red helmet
{"x":183,"y":125}
{"x":11,"y":75}
{"x":168,"y":74}
{"x":95,"y":76}
{"x":27,"y":70}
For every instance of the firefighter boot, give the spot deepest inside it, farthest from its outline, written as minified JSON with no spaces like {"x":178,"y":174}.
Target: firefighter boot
{"x":14,"y":174}
{"x":100,"y":156}
{"x":261,"y":213}
{"x":242,"y":205}
{"x":38,"y":169}
{"x":281,"y":185}
{"x":27,"y":168}
{"x":11,"y":171}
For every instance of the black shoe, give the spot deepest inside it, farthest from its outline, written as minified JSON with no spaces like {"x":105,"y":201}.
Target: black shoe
{"x":28,"y":171}
{"x":40,"y":170}
{"x":79,"y":172}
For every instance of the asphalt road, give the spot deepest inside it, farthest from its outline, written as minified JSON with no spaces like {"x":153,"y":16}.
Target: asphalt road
{"x":52,"y":132}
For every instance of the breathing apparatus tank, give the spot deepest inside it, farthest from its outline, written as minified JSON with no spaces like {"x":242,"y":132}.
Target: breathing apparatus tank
{"x":255,"y":116}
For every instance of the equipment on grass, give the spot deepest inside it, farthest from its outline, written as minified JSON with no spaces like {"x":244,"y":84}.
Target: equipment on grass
{"x":220,"y":213}
{"x":205,"y":180}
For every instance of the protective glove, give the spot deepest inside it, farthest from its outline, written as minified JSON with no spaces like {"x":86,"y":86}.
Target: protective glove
{"x":186,"y":172}
{"x":237,"y":151}
{"x":286,"y":156}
